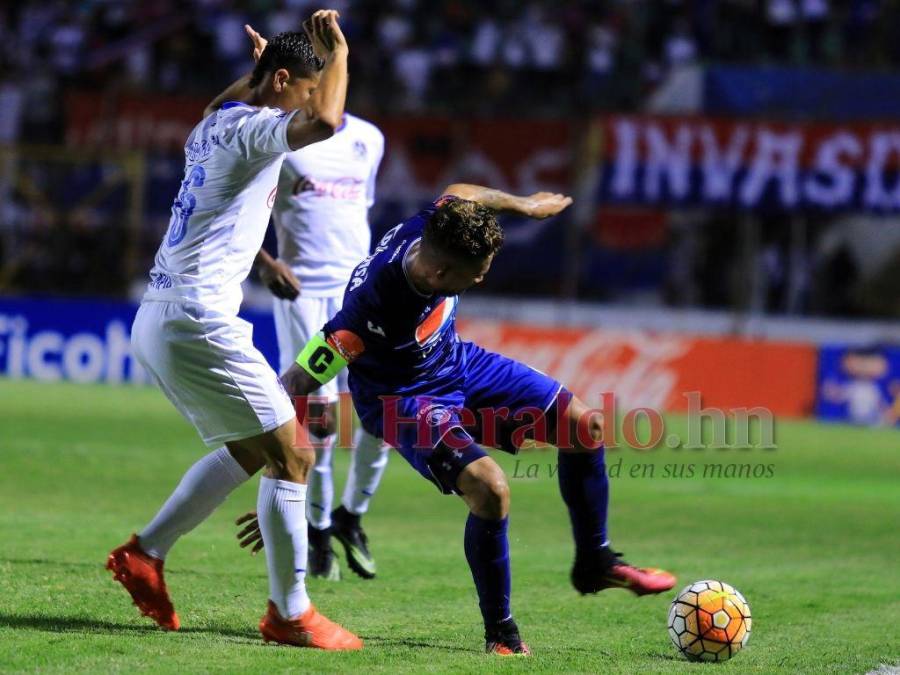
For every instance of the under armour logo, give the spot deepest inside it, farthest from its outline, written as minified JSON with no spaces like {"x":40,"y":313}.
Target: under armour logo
{"x":457,"y":454}
{"x":378,"y":330}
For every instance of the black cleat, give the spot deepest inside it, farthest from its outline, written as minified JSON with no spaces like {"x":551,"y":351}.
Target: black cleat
{"x":503,"y":639}
{"x":347,"y":530}
{"x":322,"y":560}
{"x":605,"y":568}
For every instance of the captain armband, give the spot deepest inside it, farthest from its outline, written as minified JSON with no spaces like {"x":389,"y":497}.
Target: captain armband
{"x":324,"y":359}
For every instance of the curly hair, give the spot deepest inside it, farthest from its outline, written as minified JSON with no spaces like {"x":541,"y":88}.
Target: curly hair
{"x":463,"y":229}
{"x":291,"y":50}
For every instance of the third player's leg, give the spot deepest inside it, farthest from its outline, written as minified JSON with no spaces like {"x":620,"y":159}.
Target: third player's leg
{"x":323,"y":426}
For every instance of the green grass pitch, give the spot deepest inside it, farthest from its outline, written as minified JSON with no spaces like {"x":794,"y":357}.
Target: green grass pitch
{"x":814,"y":549}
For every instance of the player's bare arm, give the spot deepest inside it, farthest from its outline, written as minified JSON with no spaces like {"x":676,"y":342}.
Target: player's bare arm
{"x":277,"y":276}
{"x":320,"y":115}
{"x":240,"y":90}
{"x":325,"y":108}
{"x":538,"y":205}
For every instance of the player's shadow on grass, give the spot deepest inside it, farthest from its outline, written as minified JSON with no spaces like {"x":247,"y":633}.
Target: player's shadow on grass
{"x":411,"y":642}
{"x":95,"y":565}
{"x":74,"y":624}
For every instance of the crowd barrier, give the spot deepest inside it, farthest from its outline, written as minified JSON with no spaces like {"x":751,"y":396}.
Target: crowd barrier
{"x":88,"y":341}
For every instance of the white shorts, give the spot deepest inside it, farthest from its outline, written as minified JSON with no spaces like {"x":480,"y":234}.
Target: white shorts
{"x":207,"y":366}
{"x":296,"y":321}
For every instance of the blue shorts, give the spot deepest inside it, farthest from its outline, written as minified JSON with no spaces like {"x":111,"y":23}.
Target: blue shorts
{"x":490,"y":400}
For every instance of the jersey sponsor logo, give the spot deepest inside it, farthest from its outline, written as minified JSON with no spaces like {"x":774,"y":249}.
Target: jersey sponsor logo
{"x":346,"y":343}
{"x":378,"y":330}
{"x":362,"y":270}
{"x":346,"y":188}
{"x":430,"y":328}
{"x":360,"y":150}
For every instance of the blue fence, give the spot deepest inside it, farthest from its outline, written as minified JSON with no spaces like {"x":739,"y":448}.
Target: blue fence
{"x":89,"y":341}
{"x":85,"y":340}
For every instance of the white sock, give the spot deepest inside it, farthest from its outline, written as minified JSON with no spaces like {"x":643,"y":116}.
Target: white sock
{"x":321,"y":486}
{"x":205,"y":485}
{"x":370,"y":457}
{"x":281,"y":512}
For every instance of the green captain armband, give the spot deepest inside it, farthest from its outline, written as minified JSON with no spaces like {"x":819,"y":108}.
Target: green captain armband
{"x":322,"y":361}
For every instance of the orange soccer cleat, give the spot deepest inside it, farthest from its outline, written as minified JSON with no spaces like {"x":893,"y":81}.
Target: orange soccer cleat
{"x":142,"y":576}
{"x":606,"y":569}
{"x":310,"y":629}
{"x":503,"y":639}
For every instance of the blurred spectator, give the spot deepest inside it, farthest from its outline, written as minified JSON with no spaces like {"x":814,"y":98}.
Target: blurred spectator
{"x":452,"y":58}
{"x":444,"y":54}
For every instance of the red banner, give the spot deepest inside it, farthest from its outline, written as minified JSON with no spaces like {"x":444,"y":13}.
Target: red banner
{"x":658,"y":370}
{"x":423,"y":154}
{"x":129,"y":122}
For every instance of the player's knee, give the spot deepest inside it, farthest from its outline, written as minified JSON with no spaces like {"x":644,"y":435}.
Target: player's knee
{"x":249,"y":461}
{"x":299,"y":462}
{"x":490,"y":496}
{"x":585,"y":426}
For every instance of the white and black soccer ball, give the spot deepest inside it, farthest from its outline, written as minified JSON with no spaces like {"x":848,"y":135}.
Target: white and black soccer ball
{"x":709,"y":621}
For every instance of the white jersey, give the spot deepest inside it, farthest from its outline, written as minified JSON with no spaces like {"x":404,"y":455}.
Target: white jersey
{"x":321,"y":212}
{"x":219,"y":218}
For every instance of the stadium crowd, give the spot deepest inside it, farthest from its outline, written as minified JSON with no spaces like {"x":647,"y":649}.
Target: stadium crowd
{"x":411,"y":55}
{"x":418,"y":57}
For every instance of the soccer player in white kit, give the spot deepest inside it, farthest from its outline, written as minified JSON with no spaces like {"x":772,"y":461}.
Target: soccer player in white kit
{"x":189,"y":338}
{"x":321,"y":219}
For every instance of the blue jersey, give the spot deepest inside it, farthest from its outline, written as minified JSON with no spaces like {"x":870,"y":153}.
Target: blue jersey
{"x":399,"y":340}
{"x":401,"y":344}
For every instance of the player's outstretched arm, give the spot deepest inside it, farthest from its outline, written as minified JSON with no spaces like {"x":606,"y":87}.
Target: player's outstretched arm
{"x":538,"y":205}
{"x":326,"y":105}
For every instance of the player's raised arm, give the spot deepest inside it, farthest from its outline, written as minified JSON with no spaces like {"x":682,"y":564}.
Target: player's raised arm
{"x":309,"y":76}
{"x":240,"y":90}
{"x":538,"y":205}
{"x":325,"y":108}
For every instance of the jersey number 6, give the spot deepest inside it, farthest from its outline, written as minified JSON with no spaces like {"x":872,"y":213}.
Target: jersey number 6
{"x":184,"y":205}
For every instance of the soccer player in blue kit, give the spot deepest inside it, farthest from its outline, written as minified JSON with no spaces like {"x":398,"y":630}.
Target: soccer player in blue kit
{"x":414,"y":383}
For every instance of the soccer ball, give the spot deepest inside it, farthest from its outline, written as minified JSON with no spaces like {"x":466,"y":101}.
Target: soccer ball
{"x":709,"y":621}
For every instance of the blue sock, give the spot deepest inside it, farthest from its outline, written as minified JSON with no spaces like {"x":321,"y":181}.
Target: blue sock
{"x":585,"y":490}
{"x":487,"y":550}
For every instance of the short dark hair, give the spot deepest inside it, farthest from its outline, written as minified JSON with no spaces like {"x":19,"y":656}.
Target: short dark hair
{"x":463,"y":229}
{"x":290,"y":50}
